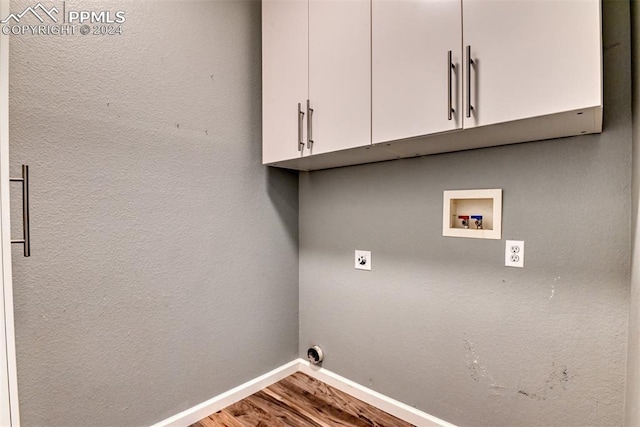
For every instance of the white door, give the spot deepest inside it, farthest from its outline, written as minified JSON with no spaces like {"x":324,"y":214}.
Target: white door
{"x":9,"y":414}
{"x":284,"y":78}
{"x":415,"y":90}
{"x":340,"y":74}
{"x":531,"y":58}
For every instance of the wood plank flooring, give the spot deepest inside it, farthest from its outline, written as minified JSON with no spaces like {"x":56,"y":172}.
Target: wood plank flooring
{"x":300,"y":401}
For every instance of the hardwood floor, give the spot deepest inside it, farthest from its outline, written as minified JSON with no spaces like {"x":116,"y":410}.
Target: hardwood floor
{"x":300,"y":401}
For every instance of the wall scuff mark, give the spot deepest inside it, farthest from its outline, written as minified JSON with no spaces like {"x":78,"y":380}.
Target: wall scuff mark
{"x":558,"y":377}
{"x":531,"y":395}
{"x":477,"y":371}
{"x":553,"y":287}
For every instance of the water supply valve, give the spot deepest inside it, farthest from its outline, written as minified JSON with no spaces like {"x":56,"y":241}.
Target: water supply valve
{"x":465,"y":220}
{"x":478,"y":222}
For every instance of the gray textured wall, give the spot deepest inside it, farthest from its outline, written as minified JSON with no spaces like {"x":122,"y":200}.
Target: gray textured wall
{"x":164,"y":266}
{"x":440,"y":323}
{"x":633,"y":361}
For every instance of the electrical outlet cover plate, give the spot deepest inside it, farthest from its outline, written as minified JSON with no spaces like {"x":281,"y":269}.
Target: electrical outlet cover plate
{"x":363,"y":260}
{"x":514,"y":253}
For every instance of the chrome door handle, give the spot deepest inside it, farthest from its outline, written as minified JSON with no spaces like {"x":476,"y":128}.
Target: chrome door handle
{"x":300,"y":120}
{"x":469,"y":62}
{"x":309,"y":125}
{"x":26,"y":234}
{"x":450,"y":66}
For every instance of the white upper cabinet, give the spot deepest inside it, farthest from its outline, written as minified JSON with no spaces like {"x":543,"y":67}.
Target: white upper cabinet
{"x":316,"y":77}
{"x":415,"y":89}
{"x":285,"y":72}
{"x":339,"y":74}
{"x":356,"y":81}
{"x":531,"y":58}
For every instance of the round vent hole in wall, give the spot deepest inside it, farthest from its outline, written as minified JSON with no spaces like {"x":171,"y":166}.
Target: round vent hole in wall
{"x":315,"y":355}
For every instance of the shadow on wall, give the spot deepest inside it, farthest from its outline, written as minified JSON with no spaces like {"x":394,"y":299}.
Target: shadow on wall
{"x":282,"y":188}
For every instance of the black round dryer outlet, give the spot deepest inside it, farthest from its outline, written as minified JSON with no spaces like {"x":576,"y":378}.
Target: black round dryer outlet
{"x":315,"y":355}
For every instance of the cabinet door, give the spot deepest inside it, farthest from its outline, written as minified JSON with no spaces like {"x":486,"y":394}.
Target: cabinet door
{"x":410,"y":43}
{"x":340,"y":74}
{"x":531,"y":58}
{"x":284,"y":78}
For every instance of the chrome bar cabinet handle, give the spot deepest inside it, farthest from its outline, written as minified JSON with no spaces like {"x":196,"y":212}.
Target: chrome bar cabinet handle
{"x":26,"y":233}
{"x":309,"y":125}
{"x":300,"y":121}
{"x":450,"y":67}
{"x":469,"y":62}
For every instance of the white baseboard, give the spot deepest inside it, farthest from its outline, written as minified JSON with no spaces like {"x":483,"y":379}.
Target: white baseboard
{"x":391,"y":406}
{"x":213,"y":405}
{"x":387,"y":404}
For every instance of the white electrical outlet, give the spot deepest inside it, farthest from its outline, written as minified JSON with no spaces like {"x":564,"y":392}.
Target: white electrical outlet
{"x":363,"y":260}
{"x":514,"y":253}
